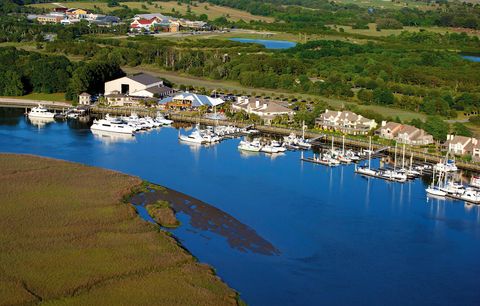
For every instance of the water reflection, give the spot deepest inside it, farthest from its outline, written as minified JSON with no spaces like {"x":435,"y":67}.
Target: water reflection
{"x":111,"y":138}
{"x":206,"y":217}
{"x":40,"y":123}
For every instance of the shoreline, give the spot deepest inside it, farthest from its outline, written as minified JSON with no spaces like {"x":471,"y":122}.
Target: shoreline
{"x":17,"y":165}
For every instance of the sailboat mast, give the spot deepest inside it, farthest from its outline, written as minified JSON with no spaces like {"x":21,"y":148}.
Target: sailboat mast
{"x":395,"y":158}
{"x":403,"y":157}
{"x":369,"y":151}
{"x":343,"y":145}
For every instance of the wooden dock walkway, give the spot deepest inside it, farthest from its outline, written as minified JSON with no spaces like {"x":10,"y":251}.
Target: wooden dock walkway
{"x":25,"y":103}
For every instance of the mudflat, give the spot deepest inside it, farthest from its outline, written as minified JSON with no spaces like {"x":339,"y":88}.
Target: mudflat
{"x":68,"y":237}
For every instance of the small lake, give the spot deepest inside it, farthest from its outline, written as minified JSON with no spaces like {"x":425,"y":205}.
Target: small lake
{"x":472,"y":58}
{"x":337,"y":238}
{"x":269,"y":44}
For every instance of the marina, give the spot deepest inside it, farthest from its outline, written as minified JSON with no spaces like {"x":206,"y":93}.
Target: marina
{"x":310,"y":213}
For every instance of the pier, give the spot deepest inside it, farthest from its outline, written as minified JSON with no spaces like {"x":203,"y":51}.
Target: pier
{"x":25,"y":103}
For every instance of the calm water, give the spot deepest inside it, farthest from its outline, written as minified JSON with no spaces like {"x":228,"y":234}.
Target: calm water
{"x":269,"y":44}
{"x":342,"y":239}
{"x":471,"y":58}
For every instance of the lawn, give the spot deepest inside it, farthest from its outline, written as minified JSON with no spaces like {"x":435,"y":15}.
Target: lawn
{"x":212,"y":11}
{"x":54,"y":97}
{"x":67,"y":237}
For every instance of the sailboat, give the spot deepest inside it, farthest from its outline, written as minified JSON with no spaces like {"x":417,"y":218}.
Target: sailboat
{"x":364,"y":170}
{"x":394,"y":175}
{"x":342,"y":157}
{"x":435,"y":189}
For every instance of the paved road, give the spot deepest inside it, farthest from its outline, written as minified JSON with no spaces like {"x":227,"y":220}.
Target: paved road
{"x":33,"y":103}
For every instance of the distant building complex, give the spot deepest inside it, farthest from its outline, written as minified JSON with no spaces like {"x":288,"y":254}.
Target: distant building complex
{"x":266,"y":109}
{"x":188,"y":100}
{"x":346,"y":122}
{"x":404,"y":133}
{"x":162,"y":23}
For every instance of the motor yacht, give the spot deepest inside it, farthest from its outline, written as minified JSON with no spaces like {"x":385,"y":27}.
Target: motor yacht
{"x":251,"y":146}
{"x":40,"y":112}
{"x":114,"y":126}
{"x":194,"y":137}
{"x":471,"y":195}
{"x":162,"y":120}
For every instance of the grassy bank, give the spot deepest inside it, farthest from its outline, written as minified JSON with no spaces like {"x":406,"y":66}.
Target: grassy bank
{"x":54,"y":97}
{"x":66,"y":237}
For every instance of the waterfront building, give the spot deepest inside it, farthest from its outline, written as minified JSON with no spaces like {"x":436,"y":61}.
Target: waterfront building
{"x":84,"y":98}
{"x":264,"y":108}
{"x":346,"y":122}
{"x":404,"y":133}
{"x":461,"y":145}
{"x":138,"y":85}
{"x":186,"y":100}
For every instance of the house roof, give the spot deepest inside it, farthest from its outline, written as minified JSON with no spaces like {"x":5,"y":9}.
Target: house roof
{"x":144,"y":78}
{"x":391,"y":125}
{"x":409,"y":129}
{"x":459,"y":139}
{"x":84,"y":94}
{"x":159,"y":89}
{"x":264,"y":106}
{"x":196,"y":100}
{"x":146,"y":21}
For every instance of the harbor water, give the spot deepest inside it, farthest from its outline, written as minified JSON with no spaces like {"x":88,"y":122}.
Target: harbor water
{"x":337,"y":238}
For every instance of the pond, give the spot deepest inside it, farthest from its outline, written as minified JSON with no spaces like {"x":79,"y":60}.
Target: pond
{"x":269,"y":44}
{"x":472,"y":58}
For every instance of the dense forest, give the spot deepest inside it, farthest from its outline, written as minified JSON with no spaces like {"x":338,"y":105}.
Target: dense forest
{"x":375,"y":73}
{"x":23,"y":72}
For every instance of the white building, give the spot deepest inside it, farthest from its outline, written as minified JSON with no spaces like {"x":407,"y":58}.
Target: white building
{"x":188,"y":100}
{"x":346,"y":122}
{"x":84,"y":99}
{"x":404,"y":133}
{"x":461,"y":145}
{"x":139,"y":85}
{"x":266,"y":109}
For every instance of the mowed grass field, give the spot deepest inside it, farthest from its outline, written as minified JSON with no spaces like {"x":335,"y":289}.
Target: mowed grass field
{"x":66,"y":237}
{"x":212,"y":11}
{"x":55,"y":97}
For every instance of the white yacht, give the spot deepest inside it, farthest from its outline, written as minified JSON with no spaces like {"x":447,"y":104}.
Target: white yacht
{"x":194,"y":137}
{"x":40,"y":112}
{"x":471,"y":196}
{"x":251,"y":146}
{"x":114,"y":126}
{"x":162,"y":120}
{"x":453,"y":188}
{"x":435,"y":189}
{"x":366,"y":170}
{"x":394,"y":175}
{"x":270,"y":149}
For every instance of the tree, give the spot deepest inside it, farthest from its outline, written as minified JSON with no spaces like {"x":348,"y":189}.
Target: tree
{"x":438,"y":128}
{"x":460,"y":129}
{"x":383,"y":96}
{"x":12,"y":84}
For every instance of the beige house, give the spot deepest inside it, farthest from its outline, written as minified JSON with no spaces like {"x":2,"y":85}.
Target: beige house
{"x":84,"y":99}
{"x":461,"y":145}
{"x":50,"y":18}
{"x":346,"y":122}
{"x":138,"y":85}
{"x":266,"y":109}
{"x":404,"y":133}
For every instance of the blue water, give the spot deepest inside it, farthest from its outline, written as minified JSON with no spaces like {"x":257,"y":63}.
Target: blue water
{"x":269,"y":44}
{"x":471,"y":58}
{"x":343,"y":239}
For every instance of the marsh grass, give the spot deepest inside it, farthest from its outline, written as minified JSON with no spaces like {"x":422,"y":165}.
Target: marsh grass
{"x":67,"y":238}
